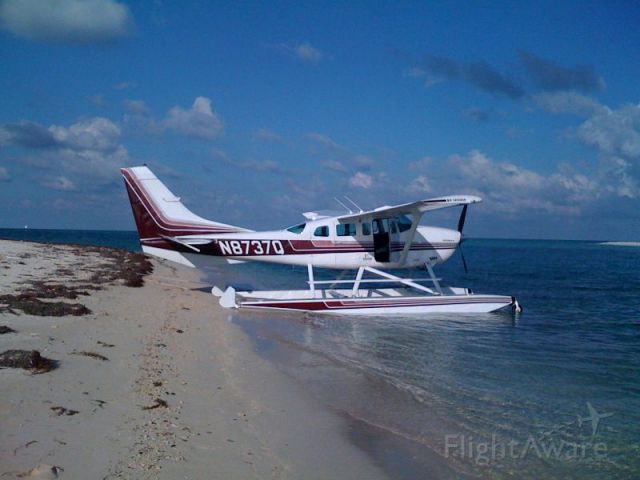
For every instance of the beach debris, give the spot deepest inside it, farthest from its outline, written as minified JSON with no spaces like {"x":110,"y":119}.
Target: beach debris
{"x":128,"y":267}
{"x":99,"y":403}
{"x":28,"y":360}
{"x":26,"y":445}
{"x":64,"y":411}
{"x":4,"y":329}
{"x":97,"y":356}
{"x":41,"y":289}
{"x":31,"y":305}
{"x":104,"y":344}
{"x":43,"y":472}
{"x":157,"y":383}
{"x":179,"y":330}
{"x":156,"y":404}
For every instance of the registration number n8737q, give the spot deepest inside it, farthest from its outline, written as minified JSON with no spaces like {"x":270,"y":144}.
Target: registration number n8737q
{"x":251,"y":247}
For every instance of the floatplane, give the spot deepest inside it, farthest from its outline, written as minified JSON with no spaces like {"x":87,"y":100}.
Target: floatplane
{"x":369,"y":242}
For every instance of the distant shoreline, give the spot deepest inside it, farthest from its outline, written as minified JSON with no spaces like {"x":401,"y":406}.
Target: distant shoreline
{"x":621,"y":244}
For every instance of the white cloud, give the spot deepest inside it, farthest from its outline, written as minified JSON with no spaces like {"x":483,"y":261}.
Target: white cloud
{"x":267,"y":135}
{"x":67,"y":21}
{"x":423,"y":164}
{"x":304,"y":52}
{"x":420,"y":185}
{"x":361,"y":180}
{"x":268,"y":166}
{"x":124,"y":85}
{"x":199,"y":121}
{"x":569,"y":102}
{"x":96,"y":133}
{"x":325,"y":141}
{"x":88,"y":148}
{"x":59,"y":183}
{"x":137,"y":107}
{"x":363,"y":161}
{"x":4,"y":175}
{"x":512,"y":189}
{"x":484,"y":171}
{"x":334,"y":165}
{"x":5,"y":137}
{"x":308,"y":53}
{"x":101,"y":166}
{"x":614,"y":132}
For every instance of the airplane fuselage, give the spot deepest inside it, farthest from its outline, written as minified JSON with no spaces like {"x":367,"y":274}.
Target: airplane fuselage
{"x":323,"y":243}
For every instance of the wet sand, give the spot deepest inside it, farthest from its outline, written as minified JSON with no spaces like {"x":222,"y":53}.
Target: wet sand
{"x":151,"y":381}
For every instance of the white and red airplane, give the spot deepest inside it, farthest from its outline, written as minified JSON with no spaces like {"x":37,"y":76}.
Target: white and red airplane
{"x":388,"y":237}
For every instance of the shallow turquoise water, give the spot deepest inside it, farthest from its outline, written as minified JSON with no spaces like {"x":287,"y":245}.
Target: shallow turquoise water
{"x":491,"y":395}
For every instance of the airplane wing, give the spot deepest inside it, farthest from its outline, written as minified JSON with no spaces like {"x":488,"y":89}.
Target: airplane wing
{"x":414,"y":208}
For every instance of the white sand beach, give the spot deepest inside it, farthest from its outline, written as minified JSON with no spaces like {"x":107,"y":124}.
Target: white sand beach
{"x":155,"y":382}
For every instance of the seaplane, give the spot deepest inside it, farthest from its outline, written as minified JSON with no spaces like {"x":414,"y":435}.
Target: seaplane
{"x":369,"y":242}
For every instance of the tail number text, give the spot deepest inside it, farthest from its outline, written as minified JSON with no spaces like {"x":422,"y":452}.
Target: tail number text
{"x":251,"y":247}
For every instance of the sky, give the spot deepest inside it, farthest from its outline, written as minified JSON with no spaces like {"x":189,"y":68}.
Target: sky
{"x":254,"y":112}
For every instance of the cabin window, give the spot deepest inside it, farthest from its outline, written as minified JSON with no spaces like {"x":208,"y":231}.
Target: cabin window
{"x":297,"y":229}
{"x":346,"y":229}
{"x":366,"y":228}
{"x":394,"y":226}
{"x":322,"y":231}
{"x":404,"y":223}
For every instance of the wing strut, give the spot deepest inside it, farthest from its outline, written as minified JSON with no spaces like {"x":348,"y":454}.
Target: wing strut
{"x":412,"y":233}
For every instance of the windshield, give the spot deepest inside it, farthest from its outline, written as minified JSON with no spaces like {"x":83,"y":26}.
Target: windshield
{"x":404,"y":223}
{"x":297,"y":229}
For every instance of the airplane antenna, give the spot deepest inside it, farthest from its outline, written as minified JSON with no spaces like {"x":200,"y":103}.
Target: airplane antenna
{"x":354,"y":204}
{"x":345,"y":207}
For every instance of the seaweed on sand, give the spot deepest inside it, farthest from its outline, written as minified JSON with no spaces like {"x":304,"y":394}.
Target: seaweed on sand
{"x":28,"y":360}
{"x":31,"y":305}
{"x":97,"y":356}
{"x":157,"y":404}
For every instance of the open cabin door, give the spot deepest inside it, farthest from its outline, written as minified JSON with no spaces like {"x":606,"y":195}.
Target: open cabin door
{"x":385,"y":232}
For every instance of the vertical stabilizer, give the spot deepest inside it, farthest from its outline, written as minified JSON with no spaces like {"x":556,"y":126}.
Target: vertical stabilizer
{"x":158,"y":213}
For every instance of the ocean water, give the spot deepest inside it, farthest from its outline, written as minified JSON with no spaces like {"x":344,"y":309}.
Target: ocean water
{"x":471,"y":395}
{"x":481,"y":395}
{"x":108,"y":238}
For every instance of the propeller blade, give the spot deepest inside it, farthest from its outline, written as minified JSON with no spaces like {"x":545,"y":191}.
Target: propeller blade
{"x":464,"y":262}
{"x":463,"y":217}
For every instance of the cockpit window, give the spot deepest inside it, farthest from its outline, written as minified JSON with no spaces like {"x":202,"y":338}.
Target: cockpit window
{"x":297,"y":229}
{"x":404,"y":223}
{"x":366,"y":228}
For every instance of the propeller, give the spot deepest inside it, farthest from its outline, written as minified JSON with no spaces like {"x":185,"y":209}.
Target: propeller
{"x":461,"y":220}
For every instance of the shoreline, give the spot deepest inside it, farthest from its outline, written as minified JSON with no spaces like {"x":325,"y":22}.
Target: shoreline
{"x":173,"y":388}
